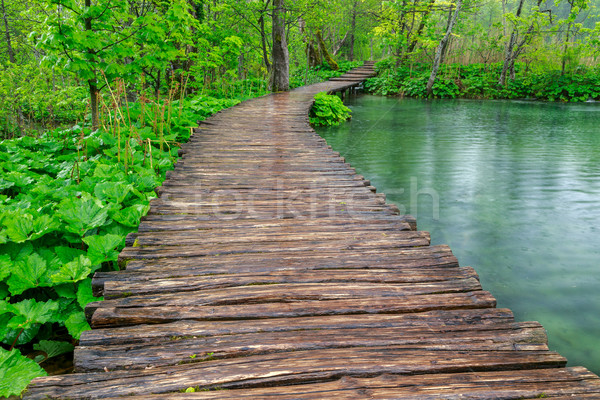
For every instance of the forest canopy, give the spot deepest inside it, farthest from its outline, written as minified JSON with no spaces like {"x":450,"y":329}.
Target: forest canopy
{"x":58,"y":56}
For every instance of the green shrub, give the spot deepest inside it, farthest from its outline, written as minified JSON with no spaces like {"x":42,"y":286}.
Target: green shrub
{"x":328,"y":110}
{"x":481,"y":81}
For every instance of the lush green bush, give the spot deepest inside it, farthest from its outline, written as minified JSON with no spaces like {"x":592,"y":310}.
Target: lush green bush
{"x":328,"y":110}
{"x":68,"y":198}
{"x":481,"y":81}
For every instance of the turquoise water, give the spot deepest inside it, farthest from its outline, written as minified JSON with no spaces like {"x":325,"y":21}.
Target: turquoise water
{"x":512,"y":186}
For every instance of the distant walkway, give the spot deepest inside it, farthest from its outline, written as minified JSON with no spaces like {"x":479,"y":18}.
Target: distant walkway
{"x":268,"y":269}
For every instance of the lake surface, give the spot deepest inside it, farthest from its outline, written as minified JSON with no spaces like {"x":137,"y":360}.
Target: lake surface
{"x":512,"y":186}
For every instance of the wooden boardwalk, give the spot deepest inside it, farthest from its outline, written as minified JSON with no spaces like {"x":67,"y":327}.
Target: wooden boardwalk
{"x":268,"y":269}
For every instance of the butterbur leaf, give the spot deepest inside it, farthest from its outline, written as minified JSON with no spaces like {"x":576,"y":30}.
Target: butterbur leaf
{"x":67,"y":254}
{"x":65,"y":290}
{"x":29,"y":312}
{"x":77,"y":324}
{"x":19,"y":336}
{"x":81,"y":215}
{"x":112,"y":192}
{"x":74,"y":271}
{"x":19,"y":226}
{"x":16,"y":371}
{"x":42,"y":225}
{"x":28,"y":274}
{"x":4,"y":329}
{"x":131,"y":216}
{"x":5,"y":266}
{"x":84,"y":293}
{"x":53,"y":348}
{"x":102,"y":248}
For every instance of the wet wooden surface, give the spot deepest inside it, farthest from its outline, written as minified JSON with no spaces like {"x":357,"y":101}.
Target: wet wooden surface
{"x":268,"y":268}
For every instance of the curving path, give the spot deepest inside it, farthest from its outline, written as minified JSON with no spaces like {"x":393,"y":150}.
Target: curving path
{"x":267,"y":269}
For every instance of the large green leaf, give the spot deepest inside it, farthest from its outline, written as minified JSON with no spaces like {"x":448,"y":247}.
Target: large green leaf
{"x":84,"y":293}
{"x":102,"y":248}
{"x":16,"y":371}
{"x":131,"y":216}
{"x":28,"y":274}
{"x":112,"y":192}
{"x":20,"y":226}
{"x":74,"y":271}
{"x":81,"y":215}
{"x":53,"y":348}
{"x":5,"y":266}
{"x":77,"y":324}
{"x":29,"y":312}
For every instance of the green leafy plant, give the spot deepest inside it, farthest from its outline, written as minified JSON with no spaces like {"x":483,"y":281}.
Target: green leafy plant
{"x":328,"y":110}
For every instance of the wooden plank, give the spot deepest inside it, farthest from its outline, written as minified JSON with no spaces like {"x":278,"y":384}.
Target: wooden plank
{"x":516,"y":336}
{"x":396,"y":241}
{"x":512,"y":385}
{"x":104,"y":316}
{"x":285,"y":369}
{"x":436,"y":319}
{"x":143,"y":284}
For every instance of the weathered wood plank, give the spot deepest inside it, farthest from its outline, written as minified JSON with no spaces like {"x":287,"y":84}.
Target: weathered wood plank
{"x":285,"y":369}
{"x":144,"y":284}
{"x":512,"y":385}
{"x":516,"y":336}
{"x":437,"y":320}
{"x":104,"y":316}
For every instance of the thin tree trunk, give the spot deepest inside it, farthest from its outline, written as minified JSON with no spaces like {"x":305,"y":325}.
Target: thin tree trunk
{"x":439,"y":53}
{"x":323,"y":49}
{"x":93,"y":82}
{"x":352,"y":31}
{"x":263,"y":39}
{"x":94,"y":103}
{"x":565,"y":49}
{"x":11,"y":52}
{"x":509,"y":58}
{"x":281,"y":61}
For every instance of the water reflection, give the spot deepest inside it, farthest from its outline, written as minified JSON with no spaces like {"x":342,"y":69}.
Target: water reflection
{"x":518,"y":186}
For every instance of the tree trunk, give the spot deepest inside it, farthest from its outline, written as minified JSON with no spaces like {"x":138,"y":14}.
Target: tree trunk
{"x":565,"y":49}
{"x":93,"y":82}
{"x":94,"y":103}
{"x":332,"y":64}
{"x":439,"y":53}
{"x":263,"y":39}
{"x":280,"y":80}
{"x":511,"y":52}
{"x":11,"y":52}
{"x":352,"y":30}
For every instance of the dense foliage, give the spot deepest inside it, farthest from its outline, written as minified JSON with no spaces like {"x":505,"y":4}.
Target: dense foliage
{"x":479,"y":81}
{"x":328,"y":110}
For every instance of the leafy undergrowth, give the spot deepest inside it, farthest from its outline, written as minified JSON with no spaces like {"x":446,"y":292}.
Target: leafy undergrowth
{"x":480,"y":81}
{"x":328,"y":110}
{"x":68,"y":198}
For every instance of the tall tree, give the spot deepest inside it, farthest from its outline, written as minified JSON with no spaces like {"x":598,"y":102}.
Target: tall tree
{"x":441,"y":48}
{"x":517,"y":42}
{"x":9,"y":47}
{"x":280,"y":73}
{"x":93,"y":38}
